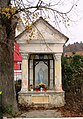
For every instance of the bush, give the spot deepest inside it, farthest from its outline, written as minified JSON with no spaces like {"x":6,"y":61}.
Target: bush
{"x":17,"y":87}
{"x":72,"y":79}
{"x":72,"y":73}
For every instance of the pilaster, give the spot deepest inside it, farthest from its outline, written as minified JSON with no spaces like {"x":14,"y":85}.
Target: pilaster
{"x":58,"y":74}
{"x":25,"y":58}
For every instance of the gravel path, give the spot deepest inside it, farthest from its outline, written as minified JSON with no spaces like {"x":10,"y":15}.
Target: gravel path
{"x":42,"y":114}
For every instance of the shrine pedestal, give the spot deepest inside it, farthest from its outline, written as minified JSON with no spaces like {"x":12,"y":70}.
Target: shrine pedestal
{"x":45,"y":99}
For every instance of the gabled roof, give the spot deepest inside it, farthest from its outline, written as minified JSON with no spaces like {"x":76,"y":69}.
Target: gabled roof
{"x":49,"y":25}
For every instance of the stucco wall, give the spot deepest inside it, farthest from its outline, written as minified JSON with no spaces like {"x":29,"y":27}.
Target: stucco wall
{"x":51,"y":99}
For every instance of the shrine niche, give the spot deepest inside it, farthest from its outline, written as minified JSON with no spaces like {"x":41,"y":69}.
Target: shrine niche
{"x":41,"y":71}
{"x":41,"y":65}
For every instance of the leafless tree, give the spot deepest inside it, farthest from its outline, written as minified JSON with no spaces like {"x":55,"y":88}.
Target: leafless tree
{"x":59,"y":11}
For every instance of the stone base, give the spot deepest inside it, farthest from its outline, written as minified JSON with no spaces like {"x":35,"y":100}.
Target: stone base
{"x":38,"y":99}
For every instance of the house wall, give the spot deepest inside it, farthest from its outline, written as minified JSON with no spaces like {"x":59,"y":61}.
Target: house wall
{"x":17,"y":62}
{"x":68,"y":54}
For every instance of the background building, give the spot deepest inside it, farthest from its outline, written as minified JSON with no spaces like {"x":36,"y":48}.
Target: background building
{"x":17,"y":62}
{"x":73,"y":49}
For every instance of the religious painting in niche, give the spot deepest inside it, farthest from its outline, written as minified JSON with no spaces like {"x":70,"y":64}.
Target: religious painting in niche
{"x":41,"y":73}
{"x":40,"y":76}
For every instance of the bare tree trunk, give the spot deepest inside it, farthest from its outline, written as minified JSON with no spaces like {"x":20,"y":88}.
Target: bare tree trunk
{"x":6,"y":68}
